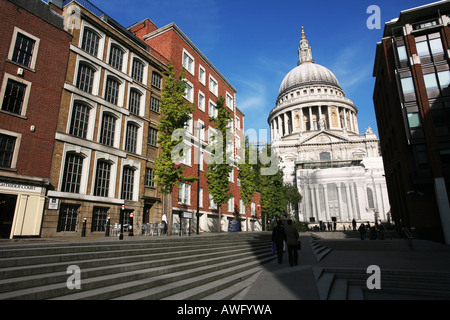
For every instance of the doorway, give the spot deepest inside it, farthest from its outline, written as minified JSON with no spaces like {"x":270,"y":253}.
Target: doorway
{"x":7,"y":209}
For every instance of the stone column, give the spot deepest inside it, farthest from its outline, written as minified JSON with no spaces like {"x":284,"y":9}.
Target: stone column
{"x":316,"y":190}
{"x":329,"y":117}
{"x":327,"y":209}
{"x":300,"y":114}
{"x":349,"y":203}
{"x":310,"y":118}
{"x":286,"y":123}
{"x":341,"y":215}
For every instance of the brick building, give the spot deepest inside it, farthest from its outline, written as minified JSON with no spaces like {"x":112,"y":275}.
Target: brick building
{"x":412,"y":106}
{"x":105,"y":141}
{"x":205,"y":85}
{"x":34,"y":52}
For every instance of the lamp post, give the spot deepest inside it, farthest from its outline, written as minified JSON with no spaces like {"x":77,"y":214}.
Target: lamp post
{"x":199,"y":128}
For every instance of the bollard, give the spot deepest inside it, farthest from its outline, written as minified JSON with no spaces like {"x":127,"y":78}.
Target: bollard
{"x":108,"y":225}
{"x":121,"y":222}
{"x":83,"y":230}
{"x":130,"y":227}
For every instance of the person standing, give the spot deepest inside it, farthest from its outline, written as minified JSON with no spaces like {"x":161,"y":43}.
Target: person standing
{"x":292,"y":242}
{"x":278,"y":237}
{"x":164,"y":221}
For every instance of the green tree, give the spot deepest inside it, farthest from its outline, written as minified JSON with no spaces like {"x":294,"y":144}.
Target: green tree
{"x":247,"y":177}
{"x":293,"y":197}
{"x":175,"y":112}
{"x":271,"y":187}
{"x":219,"y":168}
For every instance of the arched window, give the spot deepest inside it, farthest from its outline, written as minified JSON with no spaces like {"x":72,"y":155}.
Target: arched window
{"x":131,"y":138}
{"x":73,"y":167}
{"x":370,"y":199}
{"x":90,"y":41}
{"x":79,"y":120}
{"x":116,"y":57}
{"x":102,"y":178}
{"x":85,"y":79}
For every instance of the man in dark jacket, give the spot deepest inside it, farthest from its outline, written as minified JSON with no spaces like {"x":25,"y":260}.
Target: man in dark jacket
{"x":278,"y":236}
{"x":292,"y":242}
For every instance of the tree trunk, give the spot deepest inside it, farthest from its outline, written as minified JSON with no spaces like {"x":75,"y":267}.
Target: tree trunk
{"x":168,"y":210}
{"x":220,"y":219}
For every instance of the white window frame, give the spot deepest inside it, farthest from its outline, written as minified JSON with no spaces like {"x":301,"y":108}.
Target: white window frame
{"x":231,"y":204}
{"x":35,"y":49}
{"x":189,"y":68}
{"x":143,"y":93}
{"x":113,"y":160}
{"x":92,"y":112}
{"x":185,"y":190}
{"x":189,"y":92}
{"x":101,"y":40}
{"x":140,"y":134}
{"x":145,"y":71}
{"x":26,"y":96}
{"x":118,"y":127}
{"x":202,"y":75}
{"x":125,"y":55}
{"x":212,"y":109}
{"x":86,"y":154}
{"x":200,"y":198}
{"x":18,"y":137}
{"x":213,"y":85}
{"x":229,"y":101}
{"x":212,"y":203}
{"x":121,"y":96}
{"x":201,"y":101}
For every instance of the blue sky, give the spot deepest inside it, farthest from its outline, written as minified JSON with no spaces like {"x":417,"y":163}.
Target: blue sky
{"x":254,"y":42}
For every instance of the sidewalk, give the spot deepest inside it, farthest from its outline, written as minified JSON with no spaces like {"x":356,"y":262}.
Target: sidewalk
{"x":282,"y":282}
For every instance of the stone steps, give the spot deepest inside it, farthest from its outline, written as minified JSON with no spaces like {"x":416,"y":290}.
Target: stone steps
{"x":351,"y":284}
{"x":169,"y":267}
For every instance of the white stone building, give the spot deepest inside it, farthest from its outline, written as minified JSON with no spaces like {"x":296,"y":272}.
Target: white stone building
{"x":314,"y":129}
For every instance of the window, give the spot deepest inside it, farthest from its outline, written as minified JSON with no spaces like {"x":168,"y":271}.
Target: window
{"x":402,"y":56}
{"x":188,"y":62}
{"x":149,"y":176}
{"x":127,"y":183}
{"x":231,"y":204}
{"x":137,"y":72}
{"x":325,"y":156}
{"x":135,"y":101}
{"x":7,"y":146}
{"x":201,"y":101}
{"x":253,"y":209}
{"x":212,"y":110}
{"x":229,"y":101}
{"x":200,"y":198}
{"x":79,"y":120}
{"x":72,"y":173}
{"x":414,"y":120}
{"x":429,"y":44}
{"x":108,"y":129}
{"x":102,"y":178}
{"x":212,"y":203}
{"x":90,"y":41}
{"x":85,"y":78}
{"x":131,"y":138}
{"x":444,"y":79}
{"x":154,"y":104}
{"x":68,"y":218}
{"x":14,"y":97}
{"x":202,"y":75}
{"x":238,"y":123}
{"x":241,"y":207}
{"x":184,"y":193}
{"x":407,"y":85}
{"x":112,"y":90}
{"x":23,"y":50}
{"x":99,"y":217}
{"x":430,"y":81}
{"x":422,"y":48}
{"x":370,"y":199}
{"x":116,"y":57}
{"x":189,"y":92}
{"x":152,"y":137}
{"x":156,"y":80}
{"x":213,"y":86}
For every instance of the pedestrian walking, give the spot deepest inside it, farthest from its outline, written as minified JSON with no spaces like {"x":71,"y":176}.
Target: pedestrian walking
{"x":292,"y":243}
{"x":354,"y":224}
{"x":362,"y":231}
{"x":278,"y":237}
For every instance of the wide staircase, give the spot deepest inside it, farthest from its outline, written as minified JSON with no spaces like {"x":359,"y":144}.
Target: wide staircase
{"x":198,"y":267}
{"x":351,"y":284}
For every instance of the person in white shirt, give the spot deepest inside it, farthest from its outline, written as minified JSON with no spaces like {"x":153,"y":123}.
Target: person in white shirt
{"x":164,"y":220}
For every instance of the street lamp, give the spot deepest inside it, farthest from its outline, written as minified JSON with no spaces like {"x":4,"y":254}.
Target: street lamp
{"x":199,"y":128}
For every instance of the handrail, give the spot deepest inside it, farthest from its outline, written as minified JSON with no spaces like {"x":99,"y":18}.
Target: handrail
{"x":408,"y":236}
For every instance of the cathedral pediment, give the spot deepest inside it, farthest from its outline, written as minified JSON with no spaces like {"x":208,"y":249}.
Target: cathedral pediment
{"x":324,"y":137}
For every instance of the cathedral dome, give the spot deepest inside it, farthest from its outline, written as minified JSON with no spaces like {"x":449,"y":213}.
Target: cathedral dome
{"x":306,"y":74}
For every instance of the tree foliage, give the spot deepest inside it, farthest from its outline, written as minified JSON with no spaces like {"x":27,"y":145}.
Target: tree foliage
{"x":219,"y":168}
{"x":247,"y":177}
